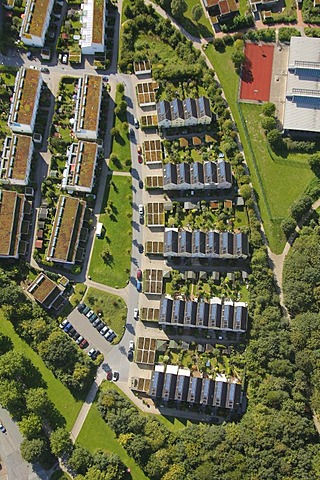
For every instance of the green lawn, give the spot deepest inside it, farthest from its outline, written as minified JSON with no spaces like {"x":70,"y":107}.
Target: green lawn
{"x":121,"y":143}
{"x":277,"y":181}
{"x":67,"y":405}
{"x":116,"y":244}
{"x":78,"y":291}
{"x":96,"y":434}
{"x":202,"y":28}
{"x":113,"y":308}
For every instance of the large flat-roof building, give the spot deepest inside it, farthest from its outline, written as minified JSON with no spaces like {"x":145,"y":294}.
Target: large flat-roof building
{"x":46,"y":292}
{"x":25,"y":101}
{"x":78,"y":176}
{"x":35,"y":22}
{"x":88,"y":102}
{"x":93,"y":21}
{"x":15,"y":162}
{"x":11,"y":217}
{"x":65,"y":235}
{"x":302,"y":102}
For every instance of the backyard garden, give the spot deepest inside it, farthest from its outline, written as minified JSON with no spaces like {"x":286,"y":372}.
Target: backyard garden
{"x":120,"y":158}
{"x":7,"y":80}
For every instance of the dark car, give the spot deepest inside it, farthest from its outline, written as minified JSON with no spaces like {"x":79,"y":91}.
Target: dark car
{"x":86,"y":310}
{"x":100,"y":326}
{"x":95,"y":355}
{"x":81,"y":307}
{"x":141,"y":184}
{"x":96,"y":322}
{"x":84,"y":343}
{"x":75,"y":336}
{"x":139,"y":274}
{"x":140,"y":159}
{"x":44,"y":70}
{"x":130,"y":355}
{"x":140,"y":248}
{"x":112,"y":337}
{"x":72,"y":331}
{"x":93,"y":318}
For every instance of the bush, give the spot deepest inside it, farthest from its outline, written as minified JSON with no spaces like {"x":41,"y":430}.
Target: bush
{"x":285,"y":33}
{"x":300,"y":207}
{"x":288,"y":226}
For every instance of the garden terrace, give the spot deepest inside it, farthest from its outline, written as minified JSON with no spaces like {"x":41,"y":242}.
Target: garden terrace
{"x":152,"y":282}
{"x":152,"y":151}
{"x":146,"y":93}
{"x":46,"y":292}
{"x":149,"y":314}
{"x":66,"y":230}
{"x":26,"y":97}
{"x":11,"y":216}
{"x":155,"y":214}
{"x":145,"y":350}
{"x":80,"y":166}
{"x":142,"y":68}
{"x":15,"y":162}
{"x":154,"y":182}
{"x":148,"y":121}
{"x":140,"y":384}
{"x":88,"y":106}
{"x":39,"y":10}
{"x":154,"y":248}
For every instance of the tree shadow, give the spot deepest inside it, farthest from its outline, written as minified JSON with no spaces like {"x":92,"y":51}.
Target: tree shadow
{"x":246,"y":74}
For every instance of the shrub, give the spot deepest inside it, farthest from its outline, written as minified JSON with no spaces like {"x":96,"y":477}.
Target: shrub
{"x":288,"y":226}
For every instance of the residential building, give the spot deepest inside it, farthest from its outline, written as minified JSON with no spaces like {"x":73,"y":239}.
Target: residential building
{"x":262,"y":4}
{"x":88,"y":103}
{"x":15,"y":162}
{"x":46,"y":292}
{"x":66,"y":229}
{"x":182,"y":387}
{"x":220,"y":393}
{"x":197,"y":244}
{"x":93,"y":19}
{"x":170,"y":382}
{"x":194,"y":391}
{"x":207,"y":390}
{"x":215,"y":315}
{"x":157,"y":381}
{"x":11,"y":217}
{"x":78,"y":176}
{"x":25,"y":101}
{"x":197,"y":176}
{"x":142,"y":68}
{"x":188,"y":112}
{"x":220,"y":10}
{"x":35,"y":22}
{"x":302,"y":100}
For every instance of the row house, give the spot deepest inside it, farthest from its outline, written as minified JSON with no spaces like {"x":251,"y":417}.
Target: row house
{"x":214,"y":315}
{"x":93,"y":19}
{"x":25,"y":101}
{"x":78,"y":176}
{"x":183,"y":113}
{"x":197,"y":176}
{"x":88,"y":103}
{"x":13,"y":206}
{"x":15,"y":162}
{"x":199,"y":244}
{"x":35,"y":22}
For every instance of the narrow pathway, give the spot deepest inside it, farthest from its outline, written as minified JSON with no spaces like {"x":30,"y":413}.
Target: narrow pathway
{"x":121,"y":292}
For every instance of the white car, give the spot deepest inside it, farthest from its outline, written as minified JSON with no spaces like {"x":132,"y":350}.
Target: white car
{"x":136,"y":313}
{"x":131,"y":345}
{"x":104,"y":330}
{"x":64,"y":58}
{"x":63,"y":323}
{"x":91,"y":312}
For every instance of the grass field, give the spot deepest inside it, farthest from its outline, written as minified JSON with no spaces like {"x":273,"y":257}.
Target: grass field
{"x":114,"y":310}
{"x":116,"y":216}
{"x":96,"y":434}
{"x":198,"y":29}
{"x":121,"y":143}
{"x":277,"y":181}
{"x":67,"y":405}
{"x":78,"y":291}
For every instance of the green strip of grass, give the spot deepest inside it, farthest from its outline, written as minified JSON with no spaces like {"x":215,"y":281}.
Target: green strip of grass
{"x":114,"y":309}
{"x":197,"y":29}
{"x":61,"y":397}
{"x":277,"y":181}
{"x":121,"y":142}
{"x":96,"y":434}
{"x":116,"y":216}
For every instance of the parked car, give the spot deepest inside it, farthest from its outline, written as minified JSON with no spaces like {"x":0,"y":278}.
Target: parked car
{"x":79,"y":340}
{"x":141,"y":210}
{"x":112,"y":337}
{"x":86,"y":310}
{"x":139,"y":274}
{"x":101,"y":326}
{"x":104,"y":330}
{"x":67,"y":327}
{"x":75,"y":336}
{"x":83,"y":344}
{"x":140,"y":160}
{"x":130,"y":355}
{"x":81,"y":307}
{"x":91,"y":352}
{"x":44,"y":70}
{"x":72,"y":331}
{"x":136,"y":313}
{"x":91,"y":312}
{"x":115,"y":376}
{"x":96,"y":322}
{"x":141,"y":184}
{"x":108,"y":334}
{"x":2,"y":428}
{"x":64,"y":58}
{"x":140,"y":248}
{"x":63,"y":323}
{"x":135,"y":122}
{"x":95,"y":355}
{"x":109,"y":375}
{"x":93,"y":318}
{"x":131,"y":345}
{"x":105,"y":79}
{"x":139,"y":149}
{"x":139,"y":286}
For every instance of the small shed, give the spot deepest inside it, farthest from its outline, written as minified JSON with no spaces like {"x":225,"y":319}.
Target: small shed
{"x":99,"y":230}
{"x":39,"y":244}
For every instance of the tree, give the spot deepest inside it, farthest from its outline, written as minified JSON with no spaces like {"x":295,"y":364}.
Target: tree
{"x":314,"y":162}
{"x":60,"y":442}
{"x":81,"y":459}
{"x":178,"y":7}
{"x":30,"y":426}
{"x":238,"y":57}
{"x":301,"y":207}
{"x":32,"y":451}
{"x":5,"y":344}
{"x":196,"y":12}
{"x":268,"y":123}
{"x":268,"y":109}
{"x":58,"y":351}
{"x":274,"y":137}
{"x":288,"y":226}
{"x":120,"y":88}
{"x":245,"y":191}
{"x":114,"y":130}
{"x":38,"y":402}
